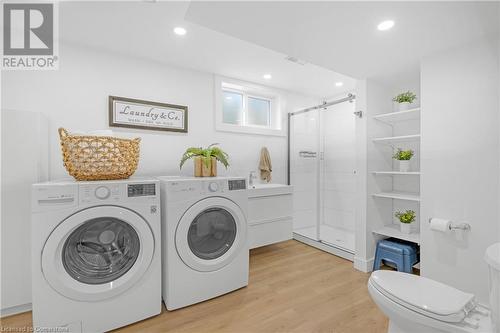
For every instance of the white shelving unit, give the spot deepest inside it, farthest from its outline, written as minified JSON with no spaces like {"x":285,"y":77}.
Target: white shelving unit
{"x":397,"y":139}
{"x":396,"y":117}
{"x":396,"y":173}
{"x":398,"y":195}
{"x":392,"y":230}
{"x":401,"y":123}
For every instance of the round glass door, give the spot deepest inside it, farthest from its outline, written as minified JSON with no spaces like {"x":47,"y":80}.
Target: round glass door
{"x":100,"y":250}
{"x":212,"y":233}
{"x":98,"y":253}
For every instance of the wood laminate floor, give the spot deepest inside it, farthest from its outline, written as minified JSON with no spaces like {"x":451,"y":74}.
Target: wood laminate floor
{"x":293,"y":288}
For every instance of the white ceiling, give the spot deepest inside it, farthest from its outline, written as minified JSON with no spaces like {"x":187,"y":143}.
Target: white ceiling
{"x":342,"y":36}
{"x":144,"y":29}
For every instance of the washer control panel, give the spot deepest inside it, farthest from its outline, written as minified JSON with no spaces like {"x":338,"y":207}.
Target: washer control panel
{"x":237,"y":184}
{"x":99,"y":192}
{"x":140,"y":190}
{"x":117,"y":192}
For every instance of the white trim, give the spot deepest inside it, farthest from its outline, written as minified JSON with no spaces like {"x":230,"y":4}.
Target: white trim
{"x":274,"y":220}
{"x":324,"y":247}
{"x":363,"y":265}
{"x":249,"y":89}
{"x":13,"y":310}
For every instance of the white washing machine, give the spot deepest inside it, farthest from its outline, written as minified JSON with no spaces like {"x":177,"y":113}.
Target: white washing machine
{"x":96,"y":254}
{"x":204,"y":237}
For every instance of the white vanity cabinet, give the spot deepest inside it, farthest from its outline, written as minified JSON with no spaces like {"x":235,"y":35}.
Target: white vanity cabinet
{"x":270,"y":214}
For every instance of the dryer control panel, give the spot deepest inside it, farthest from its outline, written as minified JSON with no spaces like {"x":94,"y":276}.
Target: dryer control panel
{"x":189,"y":189}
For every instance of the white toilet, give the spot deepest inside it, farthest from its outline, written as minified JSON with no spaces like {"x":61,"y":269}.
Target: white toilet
{"x":421,"y":305}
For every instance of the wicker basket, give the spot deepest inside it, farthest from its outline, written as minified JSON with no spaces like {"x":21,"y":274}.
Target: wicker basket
{"x":99,"y":157}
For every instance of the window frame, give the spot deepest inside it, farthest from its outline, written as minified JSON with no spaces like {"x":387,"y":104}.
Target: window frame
{"x":275,"y":125}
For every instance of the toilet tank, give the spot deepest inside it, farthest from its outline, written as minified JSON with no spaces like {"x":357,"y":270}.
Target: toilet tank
{"x":492,"y":257}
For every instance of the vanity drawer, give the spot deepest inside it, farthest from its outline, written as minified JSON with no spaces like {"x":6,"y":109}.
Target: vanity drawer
{"x":269,"y":208}
{"x":270,"y":232}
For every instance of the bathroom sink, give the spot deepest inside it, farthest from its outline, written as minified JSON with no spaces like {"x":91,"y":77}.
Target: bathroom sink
{"x":261,"y":190}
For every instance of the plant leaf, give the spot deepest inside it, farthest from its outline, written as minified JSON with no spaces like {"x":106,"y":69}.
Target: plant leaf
{"x":221,"y":156}
{"x":190,"y":153}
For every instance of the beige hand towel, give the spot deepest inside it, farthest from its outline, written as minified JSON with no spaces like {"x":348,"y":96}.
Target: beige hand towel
{"x":265,"y":165}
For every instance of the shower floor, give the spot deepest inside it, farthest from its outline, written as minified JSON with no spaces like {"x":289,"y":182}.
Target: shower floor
{"x":336,"y":236}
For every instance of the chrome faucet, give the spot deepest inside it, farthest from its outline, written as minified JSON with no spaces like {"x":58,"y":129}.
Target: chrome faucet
{"x":251,"y":177}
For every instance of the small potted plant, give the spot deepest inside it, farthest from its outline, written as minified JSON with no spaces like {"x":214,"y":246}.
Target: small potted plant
{"x":405,"y":100}
{"x":205,"y":160}
{"x":404,"y":157}
{"x":406,"y":218}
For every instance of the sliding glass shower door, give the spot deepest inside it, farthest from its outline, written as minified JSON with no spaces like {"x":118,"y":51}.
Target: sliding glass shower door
{"x":304,"y":172}
{"x":323,"y":173}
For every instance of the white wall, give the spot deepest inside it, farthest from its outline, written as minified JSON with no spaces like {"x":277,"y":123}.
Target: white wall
{"x":360,"y":241}
{"x":460,"y":162}
{"x":76,"y":97}
{"x":378,"y":210}
{"x":22,"y":143}
{"x":498,"y":51}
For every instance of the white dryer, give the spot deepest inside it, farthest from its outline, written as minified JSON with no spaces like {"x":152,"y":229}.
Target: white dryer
{"x":204,"y":237}
{"x":96,"y":254}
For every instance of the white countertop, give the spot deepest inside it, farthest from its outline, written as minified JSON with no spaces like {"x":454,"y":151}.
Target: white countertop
{"x":264,"y":190}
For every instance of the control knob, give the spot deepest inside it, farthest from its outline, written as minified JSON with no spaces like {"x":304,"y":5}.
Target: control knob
{"x":102,"y":192}
{"x":213,"y":187}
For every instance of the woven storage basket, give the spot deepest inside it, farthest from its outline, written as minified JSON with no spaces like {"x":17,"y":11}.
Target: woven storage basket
{"x":99,"y":157}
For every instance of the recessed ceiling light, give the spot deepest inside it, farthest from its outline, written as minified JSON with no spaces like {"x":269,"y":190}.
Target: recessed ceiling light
{"x":267,"y":76}
{"x":385,"y":25}
{"x":339,"y":84}
{"x":180,"y":31}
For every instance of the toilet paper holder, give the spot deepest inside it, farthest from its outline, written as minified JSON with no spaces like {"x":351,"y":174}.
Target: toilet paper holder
{"x":460,"y":226}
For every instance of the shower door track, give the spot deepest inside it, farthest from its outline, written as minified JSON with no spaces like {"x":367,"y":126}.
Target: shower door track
{"x":325,"y":246}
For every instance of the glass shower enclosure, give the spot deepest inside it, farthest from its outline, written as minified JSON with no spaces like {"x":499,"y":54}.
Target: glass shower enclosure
{"x":322,"y":169}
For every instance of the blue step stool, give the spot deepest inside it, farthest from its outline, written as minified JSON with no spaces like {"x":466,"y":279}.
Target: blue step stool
{"x":402,"y":254}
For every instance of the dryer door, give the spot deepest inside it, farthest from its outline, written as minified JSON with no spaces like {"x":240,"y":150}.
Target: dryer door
{"x":211,"y":233}
{"x":97,"y":253}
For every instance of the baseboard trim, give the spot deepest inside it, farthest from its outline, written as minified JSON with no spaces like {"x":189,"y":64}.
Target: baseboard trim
{"x":13,"y":310}
{"x":363,"y":265}
{"x":324,"y":247}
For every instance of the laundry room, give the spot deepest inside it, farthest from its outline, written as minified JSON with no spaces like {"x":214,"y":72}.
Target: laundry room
{"x":250,"y":166}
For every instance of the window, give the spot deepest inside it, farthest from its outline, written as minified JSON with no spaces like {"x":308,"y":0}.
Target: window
{"x":241,"y":109}
{"x":248,"y":108}
{"x":232,"y":108}
{"x":259,"y":111}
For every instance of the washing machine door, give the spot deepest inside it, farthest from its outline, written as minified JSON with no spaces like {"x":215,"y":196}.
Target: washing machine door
{"x":211,"y":233}
{"x":98,"y":253}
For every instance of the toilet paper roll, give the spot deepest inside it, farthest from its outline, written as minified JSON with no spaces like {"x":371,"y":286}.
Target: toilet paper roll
{"x":441,"y":225}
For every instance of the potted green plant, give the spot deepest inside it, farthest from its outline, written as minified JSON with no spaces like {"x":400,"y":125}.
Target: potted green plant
{"x":404,"y":157}
{"x":405,"y":100}
{"x":205,"y":160}
{"x":406,"y":218}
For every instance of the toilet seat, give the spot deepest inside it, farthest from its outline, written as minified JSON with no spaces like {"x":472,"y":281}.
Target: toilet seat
{"x":425,"y":296}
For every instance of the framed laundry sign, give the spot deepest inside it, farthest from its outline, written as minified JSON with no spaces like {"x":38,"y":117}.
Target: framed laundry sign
{"x":139,"y":114}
